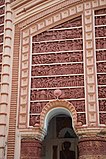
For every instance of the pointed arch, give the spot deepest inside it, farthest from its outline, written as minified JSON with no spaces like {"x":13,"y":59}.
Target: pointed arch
{"x":57,"y":107}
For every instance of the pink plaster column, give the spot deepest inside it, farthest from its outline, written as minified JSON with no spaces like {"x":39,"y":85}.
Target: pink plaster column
{"x":92,"y":148}
{"x":30,"y":148}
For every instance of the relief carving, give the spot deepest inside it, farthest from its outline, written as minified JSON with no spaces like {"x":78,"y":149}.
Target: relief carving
{"x":57,"y":69}
{"x":102,"y":118}
{"x":57,"y":46}
{"x":101,"y":43}
{"x":81,"y":117}
{"x":102,"y":105}
{"x":101,"y":79}
{"x":36,"y":107}
{"x":34,"y":120}
{"x":57,"y":58}
{"x":58,"y":34}
{"x":101,"y":55}
{"x":102,"y":92}
{"x":57,"y":82}
{"x":101,"y":11}
{"x":101,"y":20}
{"x":79,"y":105}
{"x":49,"y":94}
{"x":100,"y":31}
{"x":101,"y":67}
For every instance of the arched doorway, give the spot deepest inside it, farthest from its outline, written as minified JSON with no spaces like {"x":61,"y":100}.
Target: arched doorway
{"x":59,"y":119}
{"x":60,"y":131}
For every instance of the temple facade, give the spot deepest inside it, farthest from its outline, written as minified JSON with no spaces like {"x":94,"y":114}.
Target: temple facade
{"x":53,"y":79}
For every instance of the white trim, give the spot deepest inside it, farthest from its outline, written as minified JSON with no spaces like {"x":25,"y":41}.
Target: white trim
{"x":77,"y":99}
{"x":50,"y":64}
{"x":57,"y":75}
{"x":30,"y":67}
{"x":46,"y":88}
{"x":73,"y":51}
{"x":96,"y":84}
{"x":70,"y":28}
{"x":84,"y":67}
{"x":53,"y":41}
{"x":56,"y":111}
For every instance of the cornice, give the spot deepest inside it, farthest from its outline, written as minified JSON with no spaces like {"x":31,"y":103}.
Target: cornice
{"x":25,"y":10}
{"x":19,"y":3}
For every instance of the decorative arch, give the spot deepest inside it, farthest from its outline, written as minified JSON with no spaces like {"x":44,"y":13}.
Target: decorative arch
{"x":57,"y":107}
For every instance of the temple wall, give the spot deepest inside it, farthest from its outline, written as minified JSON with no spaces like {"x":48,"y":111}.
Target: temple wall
{"x":62,"y":49}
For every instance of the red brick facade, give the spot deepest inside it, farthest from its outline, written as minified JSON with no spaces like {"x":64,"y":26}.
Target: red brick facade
{"x":54,"y":62}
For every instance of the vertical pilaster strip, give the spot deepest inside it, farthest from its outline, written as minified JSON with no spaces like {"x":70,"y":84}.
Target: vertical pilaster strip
{"x":90,"y":71}
{"x":14,"y":94}
{"x":5,"y":81}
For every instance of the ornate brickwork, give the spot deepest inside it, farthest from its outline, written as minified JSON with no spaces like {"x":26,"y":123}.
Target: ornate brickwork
{"x":82,"y":118}
{"x":56,"y":104}
{"x":57,"y":62}
{"x":45,"y":55}
{"x":61,"y":57}
{"x":57,"y":82}
{"x":49,"y":94}
{"x":37,"y":107}
{"x":101,"y":55}
{"x":102,"y":105}
{"x":30,"y":148}
{"x":92,"y":148}
{"x":57,"y":69}
{"x":33,"y":28}
{"x":100,"y":33}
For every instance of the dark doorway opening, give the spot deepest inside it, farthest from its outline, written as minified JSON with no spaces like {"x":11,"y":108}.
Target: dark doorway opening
{"x":61,"y":140}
